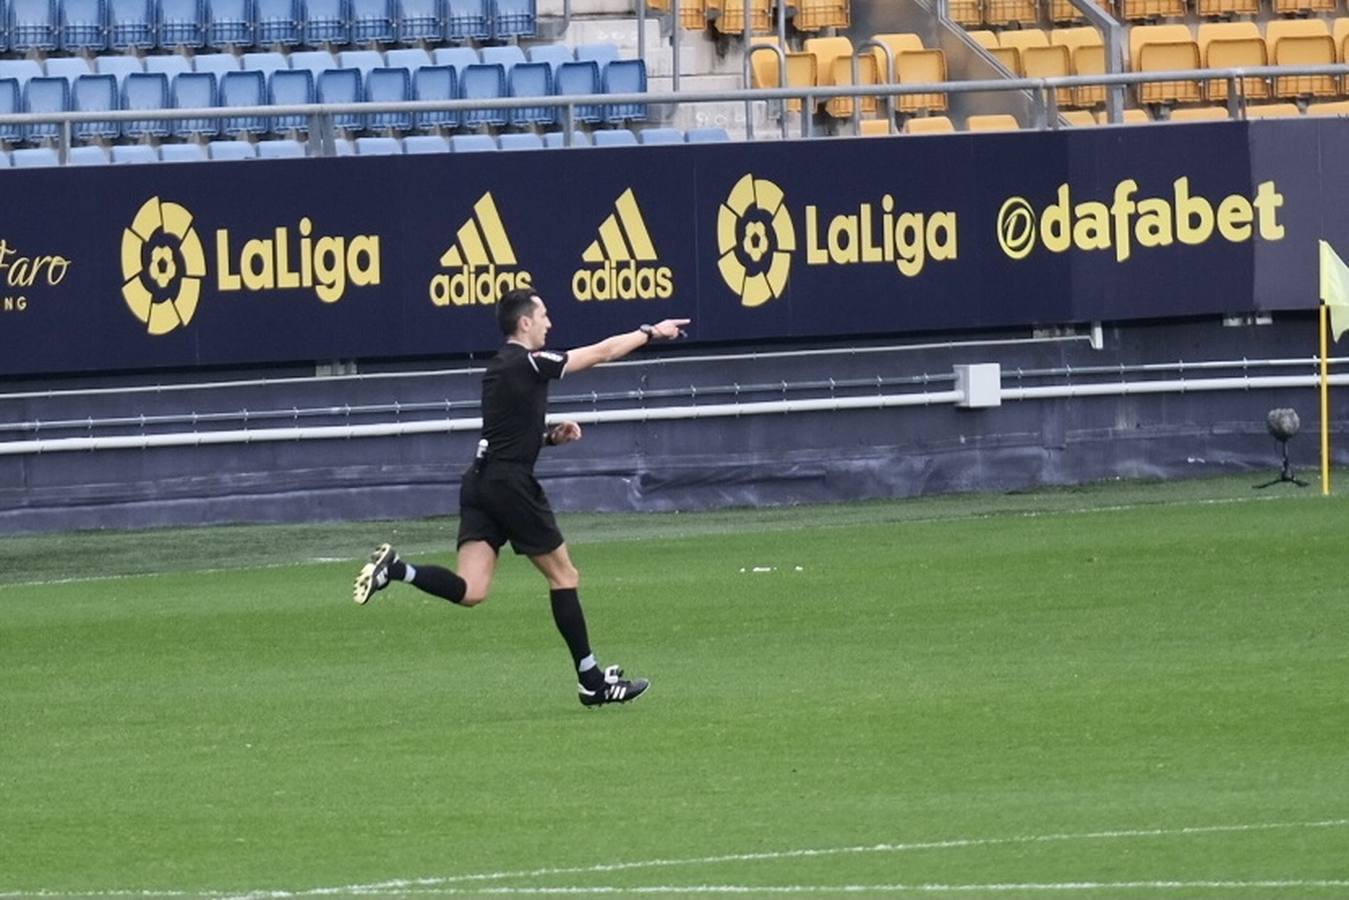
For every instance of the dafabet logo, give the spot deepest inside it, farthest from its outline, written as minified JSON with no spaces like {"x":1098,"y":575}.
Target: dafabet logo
{"x":755,"y":241}
{"x":622,"y":263}
{"x":163,"y":265}
{"x":481,"y":261}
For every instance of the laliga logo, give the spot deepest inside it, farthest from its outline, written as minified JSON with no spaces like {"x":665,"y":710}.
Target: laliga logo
{"x":163,"y":265}
{"x":755,"y":241}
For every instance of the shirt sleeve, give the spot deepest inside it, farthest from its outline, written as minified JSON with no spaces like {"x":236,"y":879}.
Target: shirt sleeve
{"x":548,"y":364}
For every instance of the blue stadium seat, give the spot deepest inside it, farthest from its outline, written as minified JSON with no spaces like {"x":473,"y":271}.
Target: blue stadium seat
{"x":316,"y":62}
{"x":425,"y":143}
{"x":148,"y":90}
{"x":280,"y":149}
{"x":131,"y":24}
{"x":435,"y":83}
{"x":33,"y":25}
{"x":706,"y":135}
{"x":410,"y":58}
{"x":4,"y":159}
{"x":194,"y":90}
{"x":468,"y":20}
{"x":35,"y":158}
{"x":532,"y":80}
{"x":4,"y":42}
{"x":505,"y":57}
{"x":95,"y":93}
{"x":134,"y":153}
{"x":472,"y":143}
{"x":231,"y":150}
{"x":118,"y":66}
{"x":45,"y":95}
{"x":327,"y":22}
{"x":290,"y":87}
{"x":229,"y":24}
{"x":514,"y":19}
{"x":341,"y":86}
{"x":483,"y":82}
{"x":68,"y":67}
{"x":602,"y":53}
{"x":266,"y":63}
{"x":576,"y":78}
{"x":218,"y":64}
{"x":174,"y":153}
{"x":277,"y":22}
{"x":243,"y":89}
{"x":365,"y":60}
{"x":169,"y":64}
{"x":182,"y":23}
{"x":84,"y":25}
{"x":619,"y":137}
{"x":524,"y":141}
{"x":372,"y":21}
{"x":378,"y":146}
{"x":553,"y":54}
{"x":625,"y":76}
{"x":458,"y":58}
{"x":89,"y":155}
{"x":11,"y":101}
{"x":344,"y":146}
{"x":20,"y":70}
{"x":661,"y":136}
{"x":389,"y":86}
{"x":421,"y":20}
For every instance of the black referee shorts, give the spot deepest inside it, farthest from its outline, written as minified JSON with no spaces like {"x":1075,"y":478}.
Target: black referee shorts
{"x":502,"y":501}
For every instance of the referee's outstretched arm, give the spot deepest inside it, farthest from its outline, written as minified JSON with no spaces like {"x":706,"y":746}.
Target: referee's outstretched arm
{"x":620,"y":345}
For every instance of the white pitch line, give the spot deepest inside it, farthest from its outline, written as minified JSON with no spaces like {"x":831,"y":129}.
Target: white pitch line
{"x":1025,"y":887}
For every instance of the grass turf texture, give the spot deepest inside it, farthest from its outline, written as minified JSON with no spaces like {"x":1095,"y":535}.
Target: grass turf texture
{"x":1121,"y":658}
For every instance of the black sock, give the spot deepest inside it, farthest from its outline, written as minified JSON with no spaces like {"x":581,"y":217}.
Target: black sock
{"x":439,"y":581}
{"x":571,"y":622}
{"x":397,"y":569}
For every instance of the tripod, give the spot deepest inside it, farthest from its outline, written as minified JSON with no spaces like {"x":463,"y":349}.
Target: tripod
{"x":1287,"y":473}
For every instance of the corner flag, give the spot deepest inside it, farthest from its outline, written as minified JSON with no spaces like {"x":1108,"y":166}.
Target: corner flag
{"x":1335,"y":289}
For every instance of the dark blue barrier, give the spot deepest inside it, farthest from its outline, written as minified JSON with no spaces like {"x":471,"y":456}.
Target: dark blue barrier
{"x":264,"y":262}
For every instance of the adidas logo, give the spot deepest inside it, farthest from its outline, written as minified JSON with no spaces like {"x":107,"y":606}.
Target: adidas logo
{"x":617,"y":262}
{"x":481,"y":261}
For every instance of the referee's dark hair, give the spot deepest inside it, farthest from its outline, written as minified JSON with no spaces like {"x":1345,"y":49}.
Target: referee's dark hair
{"x":513,"y":305}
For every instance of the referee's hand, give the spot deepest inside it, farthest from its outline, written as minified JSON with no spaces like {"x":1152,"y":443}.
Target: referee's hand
{"x":565,"y":433}
{"x":670,"y":329}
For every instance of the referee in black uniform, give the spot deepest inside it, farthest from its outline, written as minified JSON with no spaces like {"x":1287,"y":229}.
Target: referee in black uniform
{"x":500,"y":500}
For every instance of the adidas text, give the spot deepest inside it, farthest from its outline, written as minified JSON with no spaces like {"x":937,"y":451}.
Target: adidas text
{"x":477,"y":284}
{"x":623,"y":281}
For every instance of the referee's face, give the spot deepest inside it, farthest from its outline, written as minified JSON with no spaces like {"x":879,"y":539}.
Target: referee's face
{"x":536,"y":325}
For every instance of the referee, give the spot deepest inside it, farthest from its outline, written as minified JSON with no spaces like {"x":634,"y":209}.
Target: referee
{"x":500,"y":500}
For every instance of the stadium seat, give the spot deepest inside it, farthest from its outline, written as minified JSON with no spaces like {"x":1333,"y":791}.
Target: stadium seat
{"x":553,"y":54}
{"x":435,"y":83}
{"x":378,"y":146}
{"x":343,"y":146}
{"x":483,"y":82}
{"x":266,"y":63}
{"x":425,"y":143}
{"x":728,"y":16}
{"x":505,"y":57}
{"x":914,"y":64}
{"x":833,"y":65}
{"x":692,"y":13}
{"x":410,"y":58}
{"x":243,"y":89}
{"x":1078,"y":118}
{"x":1061,"y":12}
{"x":229,"y":24}
{"x":420,"y":20}
{"x":4,"y":154}
{"x":1148,"y":10}
{"x":601,"y":53}
{"x":1001,"y":13}
{"x":278,"y":22}
{"x":20,"y":70}
{"x":661,"y":136}
{"x":625,"y":76}
{"x":11,"y":102}
{"x":124,"y":154}
{"x":468,"y":20}
{"x":619,"y":137}
{"x":1053,"y":61}
{"x":1233,"y":45}
{"x":150,"y":91}
{"x":817,"y":15}
{"x":513,"y":19}
{"x":525,"y":141}
{"x":1340,"y":35}
{"x":1086,"y":51}
{"x":131,"y":24}
{"x":94,"y":93}
{"x":69,"y":68}
{"x":364,"y":60}
{"x":992,"y":122}
{"x":181,"y":23}
{"x":1295,"y":7}
{"x":194,"y":90}
{"x":45,"y":95}
{"x":88,"y":155}
{"x":1301,"y":42}
{"x":1338,"y":108}
{"x":1225,"y":8}
{"x":315,"y":62}
{"x":372,"y":21}
{"x":84,"y":26}
{"x":928,"y":125}
{"x":576,"y":79}
{"x":532,"y":80}
{"x":170,"y":64}
{"x":35,"y":158}
{"x":472,"y":143}
{"x":178,"y":153}
{"x":326,"y":22}
{"x":231,"y":150}
{"x":280,"y":149}
{"x":118,"y":66}
{"x":33,"y":25}
{"x":1199,"y":114}
{"x":218,"y":64}
{"x":555,"y":139}
{"x":966,"y":13}
{"x":290,"y":87}
{"x":1165,"y":48}
{"x":1007,"y":57}
{"x":389,"y":86}
{"x":1127,"y":117}
{"x":341,"y":86}
{"x":706,"y":136}
{"x":1273,"y":111}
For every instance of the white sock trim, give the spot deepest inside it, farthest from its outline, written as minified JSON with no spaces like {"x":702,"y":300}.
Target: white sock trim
{"x":587,"y":664}
{"x":410,"y":573}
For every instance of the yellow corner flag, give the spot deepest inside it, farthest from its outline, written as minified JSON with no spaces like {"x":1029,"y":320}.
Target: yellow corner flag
{"x":1335,"y":289}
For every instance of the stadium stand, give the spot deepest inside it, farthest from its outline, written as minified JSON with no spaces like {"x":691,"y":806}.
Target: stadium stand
{"x":44,"y":95}
{"x":229,"y":24}
{"x":148,"y":91}
{"x":180,"y":23}
{"x":95,"y":93}
{"x":231,"y":150}
{"x":83,"y":26}
{"x":386,"y":85}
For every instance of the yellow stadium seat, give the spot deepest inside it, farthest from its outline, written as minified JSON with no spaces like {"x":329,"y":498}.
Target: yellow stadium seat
{"x":728,"y":16}
{"x":896,"y":44}
{"x":1199,"y":114}
{"x":1141,"y":10}
{"x":1049,"y":62}
{"x":966,"y":13}
{"x":984,"y":38}
{"x":1127,"y":117}
{"x":1287,"y":7}
{"x":1087,"y":54}
{"x":921,"y":67}
{"x":1215,"y":8}
{"x":815,"y":15}
{"x":841,"y":107}
{"x":1300,"y":42}
{"x":1340,"y":34}
{"x":1162,"y":48}
{"x":992,"y":122}
{"x":1338,"y":108}
{"x":1077,"y":117}
{"x":1231,"y":45}
{"x":692,"y":13}
{"x":929,"y":125}
{"x":1023,"y":38}
{"x":874,"y":127}
{"x":1008,"y":12}
{"x":1063,"y":11}
{"x":764,"y":70}
{"x":1273,"y":111}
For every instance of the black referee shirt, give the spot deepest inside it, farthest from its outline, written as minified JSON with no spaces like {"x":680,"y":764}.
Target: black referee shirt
{"x":515,"y":400}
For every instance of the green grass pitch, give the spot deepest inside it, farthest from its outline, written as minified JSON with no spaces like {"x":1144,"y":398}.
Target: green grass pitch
{"x":1132,"y":690}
